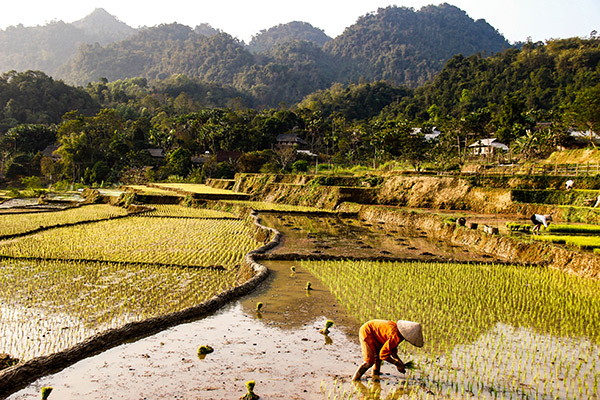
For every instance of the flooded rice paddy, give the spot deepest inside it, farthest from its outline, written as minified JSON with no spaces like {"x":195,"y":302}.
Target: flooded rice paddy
{"x":507,"y":355}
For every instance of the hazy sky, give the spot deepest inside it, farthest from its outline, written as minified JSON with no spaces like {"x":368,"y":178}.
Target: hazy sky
{"x":515,"y":19}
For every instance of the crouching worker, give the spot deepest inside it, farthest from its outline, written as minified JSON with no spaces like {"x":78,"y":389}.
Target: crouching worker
{"x":539,"y":220}
{"x":379,"y":340}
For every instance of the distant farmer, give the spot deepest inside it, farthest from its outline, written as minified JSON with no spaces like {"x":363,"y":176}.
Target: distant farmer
{"x":379,"y":340}
{"x":569,"y":184}
{"x":539,"y":220}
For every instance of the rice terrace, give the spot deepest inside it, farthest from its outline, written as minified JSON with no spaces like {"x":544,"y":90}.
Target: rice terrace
{"x":112,"y":295}
{"x":409,"y":209}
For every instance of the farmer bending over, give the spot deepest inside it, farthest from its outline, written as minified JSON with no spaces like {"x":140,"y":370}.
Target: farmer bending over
{"x":539,"y":220}
{"x":379,"y":340}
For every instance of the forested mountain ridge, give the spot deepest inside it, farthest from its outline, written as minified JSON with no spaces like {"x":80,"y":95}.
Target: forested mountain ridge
{"x":104,"y":27}
{"x":280,"y":34}
{"x":544,"y":76}
{"x":410,"y":47}
{"x":527,"y":98}
{"x":399,"y":45}
{"x":46,"y":48}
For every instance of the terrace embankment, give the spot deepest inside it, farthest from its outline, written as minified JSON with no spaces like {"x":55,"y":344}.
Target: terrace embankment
{"x":476,"y":194}
{"x":509,"y":248}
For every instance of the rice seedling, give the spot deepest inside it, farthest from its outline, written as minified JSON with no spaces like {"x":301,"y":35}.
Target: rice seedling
{"x":204,"y":350}
{"x":177,"y":241}
{"x":250,"y":395}
{"x":48,"y":306}
{"x":518,"y":227}
{"x":328,"y":324}
{"x":410,"y":365}
{"x":46,"y":390}
{"x":12,"y":224}
{"x":491,"y":331}
{"x":169,"y":210}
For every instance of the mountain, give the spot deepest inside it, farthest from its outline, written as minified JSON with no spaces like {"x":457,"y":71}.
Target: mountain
{"x":287,"y":62}
{"x":280,"y":34}
{"x":46,"y":48}
{"x":159,"y":52}
{"x":410,"y":47}
{"x":105,"y":28}
{"x":206,"y":30}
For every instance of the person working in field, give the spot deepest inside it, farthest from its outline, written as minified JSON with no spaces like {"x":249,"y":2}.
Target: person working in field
{"x":379,"y":340}
{"x":539,"y":220}
{"x":569,"y":184}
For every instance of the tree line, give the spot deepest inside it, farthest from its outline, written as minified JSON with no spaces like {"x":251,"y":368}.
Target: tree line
{"x":528,"y":98}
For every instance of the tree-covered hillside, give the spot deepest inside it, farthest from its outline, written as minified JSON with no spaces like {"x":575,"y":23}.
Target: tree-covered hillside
{"x":32,"y":97}
{"x":544,"y":76}
{"x":399,"y":45}
{"x":46,"y":48}
{"x":527,"y":98}
{"x":293,"y":31}
{"x":410,"y":47}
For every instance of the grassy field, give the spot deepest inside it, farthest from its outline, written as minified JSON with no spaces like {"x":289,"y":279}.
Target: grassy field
{"x":12,"y":224}
{"x":168,"y":210}
{"x":179,"y":241}
{"x":265,"y":206}
{"x":491,"y":331}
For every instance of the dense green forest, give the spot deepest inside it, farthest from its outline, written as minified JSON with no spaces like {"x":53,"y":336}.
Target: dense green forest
{"x":410,"y":47}
{"x":265,"y":40}
{"x":282,"y":64}
{"x":197,"y":126}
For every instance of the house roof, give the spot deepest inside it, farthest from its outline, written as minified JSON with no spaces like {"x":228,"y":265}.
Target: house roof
{"x":49,"y":151}
{"x":583,"y":137}
{"x":290,"y":138}
{"x":157,"y":153}
{"x":493,"y":142}
{"x":434,"y":134}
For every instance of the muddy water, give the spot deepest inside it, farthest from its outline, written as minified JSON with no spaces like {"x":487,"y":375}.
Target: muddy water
{"x":280,"y":348}
{"x":348,"y":237}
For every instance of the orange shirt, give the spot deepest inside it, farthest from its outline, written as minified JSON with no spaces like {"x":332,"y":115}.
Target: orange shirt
{"x":382,"y":337}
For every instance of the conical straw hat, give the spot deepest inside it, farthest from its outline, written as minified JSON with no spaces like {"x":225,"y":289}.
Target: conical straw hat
{"x":412,"y":332}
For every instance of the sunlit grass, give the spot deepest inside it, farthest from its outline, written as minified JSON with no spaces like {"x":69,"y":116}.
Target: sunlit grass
{"x":579,"y":242}
{"x":180,"y":241}
{"x":49,"y":306}
{"x":195,"y":188}
{"x":147,"y":190}
{"x":491,"y":331}
{"x":266,"y":206}
{"x":168,"y":210}
{"x":11,"y":224}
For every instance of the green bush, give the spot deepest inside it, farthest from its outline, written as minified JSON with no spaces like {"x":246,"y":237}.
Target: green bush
{"x":300,"y":166}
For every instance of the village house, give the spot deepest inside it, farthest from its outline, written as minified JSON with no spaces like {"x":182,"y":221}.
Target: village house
{"x":487,"y":147}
